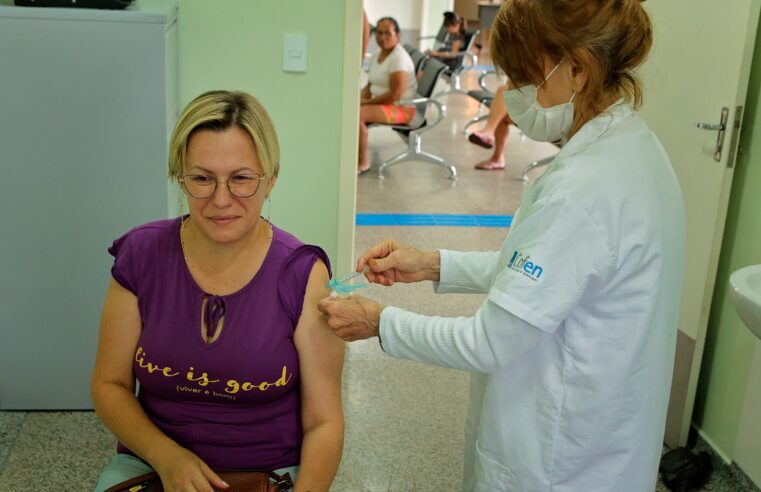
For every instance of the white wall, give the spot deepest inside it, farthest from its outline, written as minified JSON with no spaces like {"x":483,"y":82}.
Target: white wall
{"x":408,"y":13}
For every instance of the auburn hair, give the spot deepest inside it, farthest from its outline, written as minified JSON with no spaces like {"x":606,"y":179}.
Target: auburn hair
{"x":609,"y":38}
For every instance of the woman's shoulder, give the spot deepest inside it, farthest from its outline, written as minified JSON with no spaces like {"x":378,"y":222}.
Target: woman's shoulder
{"x":154,"y":231}
{"x":284,"y":239}
{"x":147,"y":236}
{"x":400,"y":54}
{"x":294,"y":251}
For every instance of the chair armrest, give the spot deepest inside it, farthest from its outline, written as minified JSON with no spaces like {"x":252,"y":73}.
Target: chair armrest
{"x":482,"y":79}
{"x":469,"y":60}
{"x":428,"y":101}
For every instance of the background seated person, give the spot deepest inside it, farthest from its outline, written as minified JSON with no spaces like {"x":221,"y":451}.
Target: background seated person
{"x":495,"y":133}
{"x":454,"y":43}
{"x":215,"y":315}
{"x":390,"y":79}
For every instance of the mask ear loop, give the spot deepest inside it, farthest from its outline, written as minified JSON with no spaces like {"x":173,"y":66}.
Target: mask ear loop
{"x":551,"y":72}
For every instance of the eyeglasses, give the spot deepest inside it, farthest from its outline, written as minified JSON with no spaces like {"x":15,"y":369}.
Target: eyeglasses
{"x":384,"y":33}
{"x":203,"y":186}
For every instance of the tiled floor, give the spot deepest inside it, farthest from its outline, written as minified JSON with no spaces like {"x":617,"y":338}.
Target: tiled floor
{"x":404,"y":420}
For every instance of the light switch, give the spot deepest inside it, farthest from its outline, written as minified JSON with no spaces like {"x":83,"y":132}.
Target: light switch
{"x":294,"y":53}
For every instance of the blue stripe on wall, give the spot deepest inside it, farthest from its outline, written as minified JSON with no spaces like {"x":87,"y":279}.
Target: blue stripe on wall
{"x":441,"y":220}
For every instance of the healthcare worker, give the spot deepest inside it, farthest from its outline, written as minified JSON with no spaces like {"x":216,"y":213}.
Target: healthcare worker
{"x":572,"y":351}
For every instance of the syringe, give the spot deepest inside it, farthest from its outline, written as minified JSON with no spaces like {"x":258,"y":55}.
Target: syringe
{"x":341,"y":285}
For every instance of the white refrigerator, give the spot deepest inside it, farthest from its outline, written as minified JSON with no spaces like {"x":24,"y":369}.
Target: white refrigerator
{"x":88,"y":99}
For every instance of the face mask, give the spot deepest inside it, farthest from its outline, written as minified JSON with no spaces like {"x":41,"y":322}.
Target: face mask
{"x":538,"y":123}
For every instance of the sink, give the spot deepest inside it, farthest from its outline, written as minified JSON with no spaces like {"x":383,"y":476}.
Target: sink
{"x":746,"y":292}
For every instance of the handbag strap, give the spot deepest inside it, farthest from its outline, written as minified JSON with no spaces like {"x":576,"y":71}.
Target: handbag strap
{"x":136,"y":484}
{"x":140,"y":483}
{"x":282,"y":482}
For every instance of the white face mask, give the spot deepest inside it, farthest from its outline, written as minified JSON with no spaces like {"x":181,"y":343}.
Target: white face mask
{"x":538,"y":123}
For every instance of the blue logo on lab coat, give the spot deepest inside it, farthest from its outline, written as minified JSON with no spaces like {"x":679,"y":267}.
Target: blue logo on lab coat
{"x":524,"y":265}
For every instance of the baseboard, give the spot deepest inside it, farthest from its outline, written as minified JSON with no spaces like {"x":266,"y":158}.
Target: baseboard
{"x":714,"y":447}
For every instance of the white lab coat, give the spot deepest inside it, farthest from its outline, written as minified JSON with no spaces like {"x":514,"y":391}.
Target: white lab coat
{"x":572,"y":352}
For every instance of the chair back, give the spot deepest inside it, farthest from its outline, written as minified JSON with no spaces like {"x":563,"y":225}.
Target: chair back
{"x":432,"y":69}
{"x":441,"y":36}
{"x":470,"y":36}
{"x":416,"y":55}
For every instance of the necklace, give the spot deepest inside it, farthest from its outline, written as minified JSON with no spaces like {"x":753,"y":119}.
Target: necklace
{"x":182,"y":238}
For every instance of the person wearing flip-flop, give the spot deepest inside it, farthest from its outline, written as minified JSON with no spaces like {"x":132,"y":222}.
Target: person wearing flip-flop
{"x":495,"y":133}
{"x":391,"y":78}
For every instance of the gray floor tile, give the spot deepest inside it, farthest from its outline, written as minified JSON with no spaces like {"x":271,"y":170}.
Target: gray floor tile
{"x":404,"y":427}
{"x":61,"y":451}
{"x":10,"y":426}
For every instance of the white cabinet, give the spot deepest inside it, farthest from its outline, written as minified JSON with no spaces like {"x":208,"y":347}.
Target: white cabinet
{"x":88,"y":99}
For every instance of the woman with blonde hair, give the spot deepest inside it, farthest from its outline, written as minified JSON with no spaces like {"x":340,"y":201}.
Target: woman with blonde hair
{"x":572,"y":351}
{"x":215,"y":315}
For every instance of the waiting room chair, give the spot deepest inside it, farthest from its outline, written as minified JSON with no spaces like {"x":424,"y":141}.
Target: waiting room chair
{"x":431,"y":71}
{"x":439,"y":39}
{"x":484,"y":96}
{"x":466,"y":59}
{"x":416,"y":55}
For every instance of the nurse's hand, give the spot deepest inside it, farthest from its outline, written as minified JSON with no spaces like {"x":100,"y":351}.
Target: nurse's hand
{"x":352,"y":318}
{"x":390,"y":262}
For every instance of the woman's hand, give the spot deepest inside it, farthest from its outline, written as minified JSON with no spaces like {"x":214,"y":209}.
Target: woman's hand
{"x":390,"y":262}
{"x":352,"y":318}
{"x":182,"y":471}
{"x":365,"y":94}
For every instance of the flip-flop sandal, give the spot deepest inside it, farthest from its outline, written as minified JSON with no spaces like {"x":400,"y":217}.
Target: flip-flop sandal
{"x":360,"y":172}
{"x":475,"y":138}
{"x":489,"y":166}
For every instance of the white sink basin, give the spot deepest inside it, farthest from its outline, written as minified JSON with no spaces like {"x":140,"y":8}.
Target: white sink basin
{"x":746,"y":292}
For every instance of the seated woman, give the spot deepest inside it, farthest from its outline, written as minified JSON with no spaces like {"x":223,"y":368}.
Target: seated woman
{"x":390,"y":79}
{"x":215,"y":315}
{"x":454,"y":42}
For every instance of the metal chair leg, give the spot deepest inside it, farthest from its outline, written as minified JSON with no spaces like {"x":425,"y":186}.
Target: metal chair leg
{"x":455,"y":87}
{"x":414,"y":152}
{"x":473,"y":121}
{"x":425,"y":156}
{"x":541,"y":162}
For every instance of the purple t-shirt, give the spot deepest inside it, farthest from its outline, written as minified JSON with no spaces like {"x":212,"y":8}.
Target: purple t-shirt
{"x":234,"y":402}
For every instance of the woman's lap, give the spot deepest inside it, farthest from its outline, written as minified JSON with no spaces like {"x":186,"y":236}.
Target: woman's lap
{"x":122,"y":467}
{"x":389,"y":113}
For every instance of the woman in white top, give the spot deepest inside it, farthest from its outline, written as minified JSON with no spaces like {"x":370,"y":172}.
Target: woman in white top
{"x":391,"y":78}
{"x":572,"y":352}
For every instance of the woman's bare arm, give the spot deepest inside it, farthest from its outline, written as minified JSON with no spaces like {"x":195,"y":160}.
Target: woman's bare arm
{"x":113,"y":394}
{"x":321,"y":356}
{"x":397,"y":83}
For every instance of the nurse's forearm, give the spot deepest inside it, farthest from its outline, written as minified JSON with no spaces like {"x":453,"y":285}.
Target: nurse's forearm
{"x":466,"y":272}
{"x":487,"y":342}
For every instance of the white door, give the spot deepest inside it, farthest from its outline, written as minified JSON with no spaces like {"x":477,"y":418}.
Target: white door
{"x":700,"y":63}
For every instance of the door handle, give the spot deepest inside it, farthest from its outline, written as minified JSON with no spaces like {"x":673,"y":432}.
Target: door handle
{"x":721,"y":128}
{"x":709,"y":126}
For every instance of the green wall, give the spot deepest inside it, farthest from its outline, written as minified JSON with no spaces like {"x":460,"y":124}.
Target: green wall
{"x":238,"y":44}
{"x":729,"y":344}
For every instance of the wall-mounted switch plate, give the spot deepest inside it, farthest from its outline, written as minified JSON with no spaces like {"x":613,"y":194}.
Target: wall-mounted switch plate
{"x":294,"y":53}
